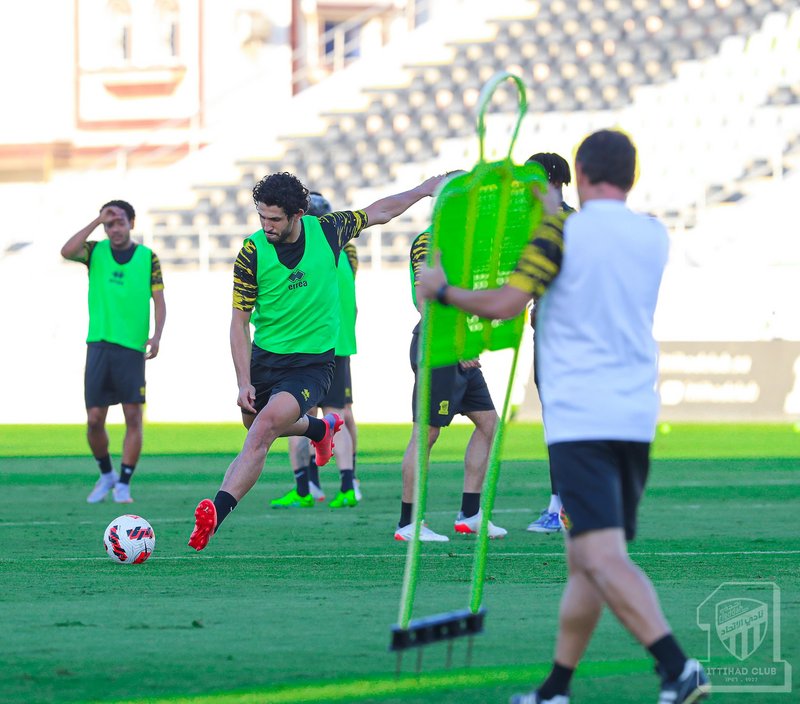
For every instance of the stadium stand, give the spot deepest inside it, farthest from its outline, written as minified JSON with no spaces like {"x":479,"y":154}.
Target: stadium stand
{"x":591,"y":62}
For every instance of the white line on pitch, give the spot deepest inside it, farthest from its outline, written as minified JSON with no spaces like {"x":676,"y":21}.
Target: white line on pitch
{"x":402,"y":555}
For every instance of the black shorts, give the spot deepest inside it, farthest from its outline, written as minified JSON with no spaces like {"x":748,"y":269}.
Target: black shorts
{"x":308,"y":384}
{"x":114,"y":374}
{"x":600,"y":482}
{"x":453,"y":390}
{"x":340,"y":393}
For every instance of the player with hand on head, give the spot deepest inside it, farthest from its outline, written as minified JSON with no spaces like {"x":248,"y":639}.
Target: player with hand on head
{"x":597,"y":369}
{"x":558,"y":176}
{"x":306,"y":472}
{"x":123,"y":277}
{"x":458,"y":388}
{"x":286,"y":284}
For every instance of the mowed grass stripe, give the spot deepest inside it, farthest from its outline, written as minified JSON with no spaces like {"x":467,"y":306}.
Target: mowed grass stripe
{"x":374,"y":688}
{"x":379,"y":443}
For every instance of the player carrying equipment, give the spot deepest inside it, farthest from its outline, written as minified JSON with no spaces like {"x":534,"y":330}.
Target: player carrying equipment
{"x":597,"y":369}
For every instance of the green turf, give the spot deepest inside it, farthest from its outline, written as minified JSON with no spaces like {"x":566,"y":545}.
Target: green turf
{"x":385,"y":443}
{"x":291,"y":606}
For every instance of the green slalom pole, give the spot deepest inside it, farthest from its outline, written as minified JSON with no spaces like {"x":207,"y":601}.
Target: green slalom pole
{"x":411,"y":573}
{"x":492,"y":477}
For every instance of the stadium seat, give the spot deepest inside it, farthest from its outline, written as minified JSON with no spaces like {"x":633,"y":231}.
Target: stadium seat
{"x":570,"y":71}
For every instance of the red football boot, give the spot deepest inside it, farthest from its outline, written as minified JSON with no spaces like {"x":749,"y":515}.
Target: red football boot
{"x":205,"y":523}
{"x":324,"y":448}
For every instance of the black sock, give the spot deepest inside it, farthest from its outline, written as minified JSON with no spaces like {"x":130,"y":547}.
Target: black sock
{"x":470,"y":504}
{"x":313,"y":472}
{"x":301,"y":479}
{"x":669,"y":655}
{"x":557,"y":682}
{"x":553,"y":489}
{"x":354,"y":465}
{"x":224,"y":503}
{"x":346,"y":475}
{"x":405,"y":514}
{"x":126,"y":472}
{"x":104,"y":463}
{"x":316,"y":428}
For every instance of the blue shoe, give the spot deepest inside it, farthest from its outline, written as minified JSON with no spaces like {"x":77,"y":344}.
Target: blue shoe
{"x":534,"y":698}
{"x":546,"y":523}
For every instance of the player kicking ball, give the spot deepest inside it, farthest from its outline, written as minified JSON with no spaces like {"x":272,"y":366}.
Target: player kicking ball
{"x":286,"y":286}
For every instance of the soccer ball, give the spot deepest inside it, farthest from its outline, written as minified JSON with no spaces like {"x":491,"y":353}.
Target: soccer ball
{"x":129,"y":539}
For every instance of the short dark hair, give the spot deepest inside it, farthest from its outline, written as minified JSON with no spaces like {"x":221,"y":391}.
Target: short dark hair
{"x":318,"y":205}
{"x":284,"y":190}
{"x":608,"y":156}
{"x":555,"y":165}
{"x":124,"y":205}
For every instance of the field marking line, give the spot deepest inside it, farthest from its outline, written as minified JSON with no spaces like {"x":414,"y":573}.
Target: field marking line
{"x":401,"y":556}
{"x":271,"y":517}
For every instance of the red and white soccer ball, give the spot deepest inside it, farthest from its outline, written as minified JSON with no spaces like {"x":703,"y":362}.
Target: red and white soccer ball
{"x":129,"y":539}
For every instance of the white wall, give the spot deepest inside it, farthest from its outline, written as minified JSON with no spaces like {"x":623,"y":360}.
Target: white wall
{"x":44,"y":321}
{"x":43,"y":318}
{"x":36,"y":49}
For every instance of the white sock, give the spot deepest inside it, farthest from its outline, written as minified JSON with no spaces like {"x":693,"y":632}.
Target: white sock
{"x":555,"y":504}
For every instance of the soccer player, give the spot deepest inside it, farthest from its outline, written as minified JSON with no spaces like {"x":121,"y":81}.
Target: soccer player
{"x":306,"y":473}
{"x":558,"y":175}
{"x":123,"y":277}
{"x":458,"y":388}
{"x":286,"y":284}
{"x":597,"y":372}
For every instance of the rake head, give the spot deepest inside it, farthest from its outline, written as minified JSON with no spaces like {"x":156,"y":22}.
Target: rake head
{"x":437,"y":628}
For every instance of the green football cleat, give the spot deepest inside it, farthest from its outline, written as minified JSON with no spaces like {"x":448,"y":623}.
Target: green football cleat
{"x":344,"y":499}
{"x":292,"y":499}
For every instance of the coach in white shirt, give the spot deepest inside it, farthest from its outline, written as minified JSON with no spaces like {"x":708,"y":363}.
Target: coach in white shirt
{"x":595,"y":275}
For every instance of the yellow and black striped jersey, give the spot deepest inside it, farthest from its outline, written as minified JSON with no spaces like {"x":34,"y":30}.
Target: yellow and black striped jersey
{"x":156,"y":277}
{"x":352,"y":256}
{"x":339,"y":228}
{"x":419,"y":252}
{"x":538,"y":265}
{"x":540,"y":261}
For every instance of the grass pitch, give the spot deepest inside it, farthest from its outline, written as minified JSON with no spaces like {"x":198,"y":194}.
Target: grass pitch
{"x":295,"y":606}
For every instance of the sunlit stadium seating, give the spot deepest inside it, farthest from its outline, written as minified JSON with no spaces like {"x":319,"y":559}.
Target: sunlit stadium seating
{"x":591,"y":62}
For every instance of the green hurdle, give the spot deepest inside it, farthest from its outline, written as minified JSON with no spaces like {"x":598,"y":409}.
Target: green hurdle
{"x":481,"y":222}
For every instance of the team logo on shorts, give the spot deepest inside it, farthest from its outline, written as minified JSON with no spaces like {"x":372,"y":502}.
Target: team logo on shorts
{"x":297,"y":279}
{"x":444,"y":408}
{"x":306,"y":393}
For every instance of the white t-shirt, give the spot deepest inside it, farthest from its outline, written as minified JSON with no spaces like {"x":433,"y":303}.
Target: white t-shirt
{"x":595,"y":352}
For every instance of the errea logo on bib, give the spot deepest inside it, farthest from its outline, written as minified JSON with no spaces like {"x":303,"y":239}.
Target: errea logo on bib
{"x":297,"y":279}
